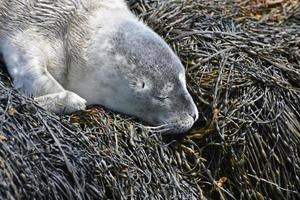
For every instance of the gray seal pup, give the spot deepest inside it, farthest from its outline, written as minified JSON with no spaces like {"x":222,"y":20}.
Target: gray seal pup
{"x":71,"y":53}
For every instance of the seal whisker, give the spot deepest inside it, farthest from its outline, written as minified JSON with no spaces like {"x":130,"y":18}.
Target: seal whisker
{"x":161,"y":129}
{"x":156,"y":127}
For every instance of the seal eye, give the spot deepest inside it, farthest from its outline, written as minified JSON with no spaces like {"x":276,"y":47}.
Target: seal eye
{"x":161,"y":98}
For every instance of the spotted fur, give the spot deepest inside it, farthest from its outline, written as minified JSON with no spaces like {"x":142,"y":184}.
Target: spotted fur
{"x":69,"y":53}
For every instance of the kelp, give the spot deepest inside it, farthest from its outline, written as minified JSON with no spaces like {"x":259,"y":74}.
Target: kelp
{"x":244,"y":78}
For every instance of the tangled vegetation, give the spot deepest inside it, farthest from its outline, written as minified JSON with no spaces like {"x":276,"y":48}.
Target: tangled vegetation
{"x":243,"y":73}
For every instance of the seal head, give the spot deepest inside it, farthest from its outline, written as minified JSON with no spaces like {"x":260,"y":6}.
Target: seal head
{"x":141,"y":76}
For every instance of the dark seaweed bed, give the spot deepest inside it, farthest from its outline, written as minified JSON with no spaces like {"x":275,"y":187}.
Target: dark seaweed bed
{"x":244,"y":75}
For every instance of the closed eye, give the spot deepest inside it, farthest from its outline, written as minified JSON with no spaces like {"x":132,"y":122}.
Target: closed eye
{"x":161,"y":98}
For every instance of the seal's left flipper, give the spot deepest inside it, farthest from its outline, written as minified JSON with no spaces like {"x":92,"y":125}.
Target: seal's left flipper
{"x":62,"y":102}
{"x":26,"y":62}
{"x":27,"y":65}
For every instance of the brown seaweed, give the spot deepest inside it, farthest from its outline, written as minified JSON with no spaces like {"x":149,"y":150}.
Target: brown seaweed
{"x":244,"y":77}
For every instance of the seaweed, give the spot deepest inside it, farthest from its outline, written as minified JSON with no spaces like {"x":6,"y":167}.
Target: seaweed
{"x":243,"y":74}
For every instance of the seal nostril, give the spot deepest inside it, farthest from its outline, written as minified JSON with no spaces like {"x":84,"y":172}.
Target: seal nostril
{"x":194,"y":116}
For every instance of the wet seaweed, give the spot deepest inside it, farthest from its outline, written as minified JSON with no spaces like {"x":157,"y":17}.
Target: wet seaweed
{"x":244,"y":77}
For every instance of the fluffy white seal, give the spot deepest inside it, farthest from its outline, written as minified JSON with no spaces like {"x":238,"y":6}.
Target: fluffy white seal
{"x":70,"y":53}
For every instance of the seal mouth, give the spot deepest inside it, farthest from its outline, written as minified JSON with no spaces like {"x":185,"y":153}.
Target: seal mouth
{"x":175,"y":127}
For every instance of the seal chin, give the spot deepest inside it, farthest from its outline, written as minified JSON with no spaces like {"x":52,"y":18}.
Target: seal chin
{"x":181,"y":127}
{"x":176,"y":127}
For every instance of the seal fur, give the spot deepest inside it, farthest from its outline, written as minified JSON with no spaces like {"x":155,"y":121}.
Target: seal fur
{"x":70,"y":53}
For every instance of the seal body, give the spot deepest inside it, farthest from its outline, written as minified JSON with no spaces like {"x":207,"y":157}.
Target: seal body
{"x":70,"y":53}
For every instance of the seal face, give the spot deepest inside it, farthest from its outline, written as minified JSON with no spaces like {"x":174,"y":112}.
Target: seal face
{"x":101,"y":56}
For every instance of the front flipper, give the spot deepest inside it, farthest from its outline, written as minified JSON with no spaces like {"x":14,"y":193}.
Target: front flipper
{"x":27,"y":64}
{"x":62,"y":102}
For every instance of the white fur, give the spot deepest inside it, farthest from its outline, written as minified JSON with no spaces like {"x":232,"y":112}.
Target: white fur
{"x":37,"y":65}
{"x":61,"y":51}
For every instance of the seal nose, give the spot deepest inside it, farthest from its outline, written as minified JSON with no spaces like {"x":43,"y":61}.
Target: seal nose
{"x":194,"y":116}
{"x":193,"y":111}
{"x":192,"y":108}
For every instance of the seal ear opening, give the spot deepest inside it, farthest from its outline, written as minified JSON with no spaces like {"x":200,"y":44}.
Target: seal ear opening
{"x":138,"y":83}
{"x":143,"y":84}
